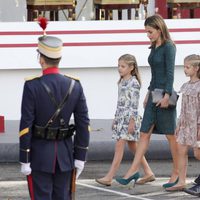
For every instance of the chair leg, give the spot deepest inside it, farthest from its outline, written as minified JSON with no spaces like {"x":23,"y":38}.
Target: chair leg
{"x":145,"y":11}
{"x":51,"y":15}
{"x":97,"y":15}
{"x":57,"y":15}
{"x":191,"y":13}
{"x":129,"y":13}
{"x":106,"y":14}
{"x":137,"y":13}
{"x":29,"y":15}
{"x":102,"y":15}
{"x":174,"y":13}
{"x":110,"y":14}
{"x":120,"y":14}
{"x":70,"y":14}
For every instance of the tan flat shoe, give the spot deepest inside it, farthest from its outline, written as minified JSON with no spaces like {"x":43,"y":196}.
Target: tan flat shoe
{"x":102,"y":182}
{"x":175,"y":188}
{"x":146,"y":180}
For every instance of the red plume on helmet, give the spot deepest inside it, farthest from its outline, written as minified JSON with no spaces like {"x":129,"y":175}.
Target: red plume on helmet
{"x":42,"y":21}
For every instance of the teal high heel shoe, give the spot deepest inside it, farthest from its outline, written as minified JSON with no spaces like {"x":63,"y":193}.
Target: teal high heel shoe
{"x":167,"y":185}
{"x":124,"y":181}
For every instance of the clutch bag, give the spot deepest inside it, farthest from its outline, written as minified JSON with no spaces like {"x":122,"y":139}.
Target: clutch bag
{"x":157,"y":95}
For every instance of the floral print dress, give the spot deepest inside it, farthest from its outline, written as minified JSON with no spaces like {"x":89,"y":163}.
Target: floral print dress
{"x":127,"y":107}
{"x":189,"y":120}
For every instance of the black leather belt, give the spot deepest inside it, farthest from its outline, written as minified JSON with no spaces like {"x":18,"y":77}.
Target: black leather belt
{"x":53,"y":133}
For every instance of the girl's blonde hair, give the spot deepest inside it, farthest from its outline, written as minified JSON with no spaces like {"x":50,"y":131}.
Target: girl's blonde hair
{"x":158,"y":23}
{"x":194,"y":60}
{"x":130,"y":60}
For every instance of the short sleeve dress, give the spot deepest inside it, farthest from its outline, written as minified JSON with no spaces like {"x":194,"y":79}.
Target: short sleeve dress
{"x":127,"y":107}
{"x":190,"y":114}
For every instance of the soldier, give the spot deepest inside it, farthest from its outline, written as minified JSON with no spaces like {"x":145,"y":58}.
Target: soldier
{"x":195,"y":189}
{"x":48,"y":150}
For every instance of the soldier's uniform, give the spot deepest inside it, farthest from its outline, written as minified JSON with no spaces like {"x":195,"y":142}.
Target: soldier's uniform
{"x":52,"y":160}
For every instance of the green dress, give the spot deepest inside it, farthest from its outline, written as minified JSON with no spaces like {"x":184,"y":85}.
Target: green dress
{"x":161,"y":61}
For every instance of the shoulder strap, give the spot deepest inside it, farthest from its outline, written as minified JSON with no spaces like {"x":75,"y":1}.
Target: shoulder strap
{"x":62,"y":103}
{"x":46,"y":87}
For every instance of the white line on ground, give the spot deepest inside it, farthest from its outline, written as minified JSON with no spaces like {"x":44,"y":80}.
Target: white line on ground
{"x":12,"y":183}
{"x":154,"y":194}
{"x":111,"y":191}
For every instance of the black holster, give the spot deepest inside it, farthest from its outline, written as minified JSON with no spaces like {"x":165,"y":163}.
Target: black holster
{"x":53,"y":133}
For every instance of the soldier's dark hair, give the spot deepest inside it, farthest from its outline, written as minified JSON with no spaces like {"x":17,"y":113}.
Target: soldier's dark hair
{"x":50,"y":61}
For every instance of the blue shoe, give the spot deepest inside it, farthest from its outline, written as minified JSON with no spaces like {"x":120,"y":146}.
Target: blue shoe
{"x":167,"y":185}
{"x":197,"y":180}
{"x":195,"y":190}
{"x":124,"y":181}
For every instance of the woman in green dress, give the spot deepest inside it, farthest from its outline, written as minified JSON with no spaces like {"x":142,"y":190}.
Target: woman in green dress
{"x":158,"y":118}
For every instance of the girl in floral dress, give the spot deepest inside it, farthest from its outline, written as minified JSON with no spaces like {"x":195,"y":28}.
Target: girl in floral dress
{"x":126,"y":124}
{"x":188,"y":127}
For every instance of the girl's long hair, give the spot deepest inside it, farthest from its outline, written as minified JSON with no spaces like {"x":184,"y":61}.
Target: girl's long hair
{"x":130,"y":60}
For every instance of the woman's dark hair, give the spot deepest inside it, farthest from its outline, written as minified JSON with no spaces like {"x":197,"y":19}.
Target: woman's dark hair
{"x":158,"y":23}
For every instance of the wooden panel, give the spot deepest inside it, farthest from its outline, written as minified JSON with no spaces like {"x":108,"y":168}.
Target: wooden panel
{"x":116,"y":1}
{"x":49,"y":2}
{"x":183,"y":1}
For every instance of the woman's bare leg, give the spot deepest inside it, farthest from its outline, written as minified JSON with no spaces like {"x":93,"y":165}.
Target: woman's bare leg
{"x":140,"y":152}
{"x":119,"y":152}
{"x":147,"y":170}
{"x":174,"y":153}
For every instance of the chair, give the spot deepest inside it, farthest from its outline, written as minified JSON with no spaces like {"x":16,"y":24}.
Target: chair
{"x":39,"y":7}
{"x":175,"y":5}
{"x":104,"y":8}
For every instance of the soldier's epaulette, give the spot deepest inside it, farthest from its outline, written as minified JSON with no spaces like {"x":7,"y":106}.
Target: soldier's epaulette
{"x":32,"y":78}
{"x":75,"y":78}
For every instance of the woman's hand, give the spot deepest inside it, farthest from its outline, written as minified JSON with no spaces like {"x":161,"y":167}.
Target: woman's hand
{"x":131,"y":126}
{"x":164,"y":102}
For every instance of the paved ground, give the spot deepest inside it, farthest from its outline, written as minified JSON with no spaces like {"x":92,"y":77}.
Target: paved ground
{"x":13,"y":184}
